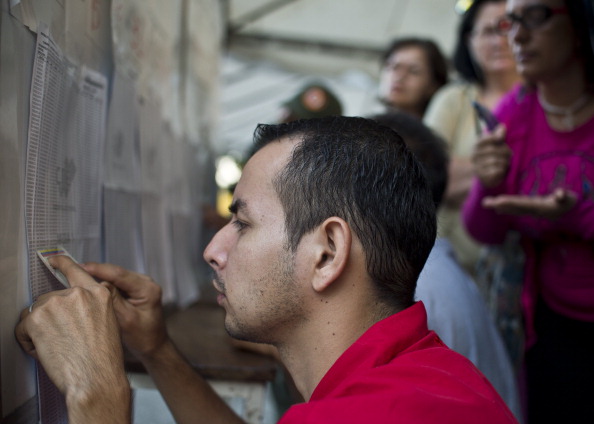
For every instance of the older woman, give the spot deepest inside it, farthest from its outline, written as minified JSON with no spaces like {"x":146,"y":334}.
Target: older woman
{"x":536,"y":175}
{"x":486,"y":66}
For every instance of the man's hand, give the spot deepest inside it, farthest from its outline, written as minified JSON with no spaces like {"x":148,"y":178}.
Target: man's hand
{"x":75,"y":336}
{"x":491,"y":158}
{"x":137,"y":303}
{"x":551,"y":206}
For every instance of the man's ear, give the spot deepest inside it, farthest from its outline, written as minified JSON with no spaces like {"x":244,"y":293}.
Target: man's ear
{"x":333,"y":246}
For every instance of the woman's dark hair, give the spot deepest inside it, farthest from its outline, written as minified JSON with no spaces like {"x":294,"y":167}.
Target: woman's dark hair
{"x":428,"y":147}
{"x":580,"y":11}
{"x":462,"y":58}
{"x":438,"y":63}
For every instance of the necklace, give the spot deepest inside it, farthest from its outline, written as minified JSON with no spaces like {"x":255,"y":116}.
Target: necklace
{"x":567,"y":112}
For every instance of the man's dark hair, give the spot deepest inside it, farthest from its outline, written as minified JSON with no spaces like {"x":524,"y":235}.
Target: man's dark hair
{"x":362,"y":172}
{"x":462,"y":58}
{"x":429,"y":148}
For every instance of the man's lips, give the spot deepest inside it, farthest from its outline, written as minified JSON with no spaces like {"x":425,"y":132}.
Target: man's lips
{"x":218,"y":284}
{"x":217,"y":287}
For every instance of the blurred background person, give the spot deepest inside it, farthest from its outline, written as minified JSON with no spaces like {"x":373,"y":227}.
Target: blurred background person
{"x":314,"y":100}
{"x":413,"y":69}
{"x":536,"y":176}
{"x":485,"y":65}
{"x":456,"y":310}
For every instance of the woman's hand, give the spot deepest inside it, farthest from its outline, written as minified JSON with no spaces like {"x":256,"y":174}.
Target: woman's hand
{"x":491,"y":158}
{"x":551,"y":206}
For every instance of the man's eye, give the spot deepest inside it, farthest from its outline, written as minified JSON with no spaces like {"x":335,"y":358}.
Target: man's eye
{"x":240,"y":225}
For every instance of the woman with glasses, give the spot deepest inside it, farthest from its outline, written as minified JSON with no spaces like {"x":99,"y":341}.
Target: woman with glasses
{"x":536,"y":176}
{"x":413,"y":69}
{"x":483,"y":60}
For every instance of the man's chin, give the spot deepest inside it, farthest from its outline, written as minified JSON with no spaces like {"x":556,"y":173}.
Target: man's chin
{"x":240,"y":335}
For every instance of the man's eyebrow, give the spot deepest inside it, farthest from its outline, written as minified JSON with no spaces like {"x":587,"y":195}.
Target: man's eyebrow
{"x":237,"y":205}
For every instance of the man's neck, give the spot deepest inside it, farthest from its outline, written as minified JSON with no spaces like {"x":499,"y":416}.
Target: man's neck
{"x":312,"y":350}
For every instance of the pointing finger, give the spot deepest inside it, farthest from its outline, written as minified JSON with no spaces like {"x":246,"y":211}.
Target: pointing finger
{"x":131,"y":283}
{"x":77,"y":277}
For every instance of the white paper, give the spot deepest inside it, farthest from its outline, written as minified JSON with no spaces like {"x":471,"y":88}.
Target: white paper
{"x":186,"y":257}
{"x":156,"y":236}
{"x":122,"y":217}
{"x":156,"y":231}
{"x":87,"y":32}
{"x":185,"y":214}
{"x":62,"y":175}
{"x":122,"y":154}
{"x":18,"y":383}
{"x":123,"y":229}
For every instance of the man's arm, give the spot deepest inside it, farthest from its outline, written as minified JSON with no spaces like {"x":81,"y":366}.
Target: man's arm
{"x":74,"y":335}
{"x":189,"y":397}
{"x":137,"y":303}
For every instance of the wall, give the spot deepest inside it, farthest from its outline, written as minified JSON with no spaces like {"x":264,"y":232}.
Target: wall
{"x":109,"y":155}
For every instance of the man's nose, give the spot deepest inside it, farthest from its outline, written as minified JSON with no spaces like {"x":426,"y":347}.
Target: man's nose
{"x":215,"y":254}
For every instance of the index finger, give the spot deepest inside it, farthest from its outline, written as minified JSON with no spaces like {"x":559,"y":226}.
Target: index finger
{"x":77,"y":277}
{"x":128,"y":281}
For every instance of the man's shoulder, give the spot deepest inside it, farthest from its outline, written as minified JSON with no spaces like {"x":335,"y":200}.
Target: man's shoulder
{"x":401,"y":371}
{"x":429,"y":385}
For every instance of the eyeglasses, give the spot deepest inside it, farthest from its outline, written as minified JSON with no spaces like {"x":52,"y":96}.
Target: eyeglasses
{"x":533,"y":17}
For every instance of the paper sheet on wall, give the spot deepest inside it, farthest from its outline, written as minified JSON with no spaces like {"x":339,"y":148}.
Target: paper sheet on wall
{"x":121,"y":196}
{"x":62,"y":175}
{"x":185,"y":215}
{"x":17,"y":46}
{"x":123,"y":229}
{"x":122,"y":154}
{"x":87,"y":32}
{"x":156,"y":230}
{"x":186,"y":256}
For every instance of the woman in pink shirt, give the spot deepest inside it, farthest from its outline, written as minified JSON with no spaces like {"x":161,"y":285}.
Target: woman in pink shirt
{"x":535,"y":175}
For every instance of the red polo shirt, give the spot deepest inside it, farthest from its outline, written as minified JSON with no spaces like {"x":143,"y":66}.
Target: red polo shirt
{"x":400,"y":372}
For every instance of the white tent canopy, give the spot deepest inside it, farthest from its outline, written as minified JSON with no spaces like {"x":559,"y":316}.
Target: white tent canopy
{"x":275,"y":46}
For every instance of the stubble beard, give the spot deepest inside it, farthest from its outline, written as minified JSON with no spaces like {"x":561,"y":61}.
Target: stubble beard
{"x":278,"y":302}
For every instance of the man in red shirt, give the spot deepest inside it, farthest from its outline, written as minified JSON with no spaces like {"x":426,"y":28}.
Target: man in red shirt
{"x":332,"y":222}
